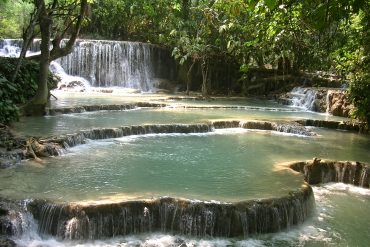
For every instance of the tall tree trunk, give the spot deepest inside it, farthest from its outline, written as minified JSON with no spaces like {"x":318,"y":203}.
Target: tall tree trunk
{"x":37,"y":105}
{"x":204,"y":67}
{"x":188,"y":78}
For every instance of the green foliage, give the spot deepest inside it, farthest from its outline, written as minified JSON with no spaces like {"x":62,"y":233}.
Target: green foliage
{"x":291,"y":36}
{"x":305,"y":35}
{"x":13,"y":17}
{"x":9,"y":112}
{"x":12,"y":94}
{"x":20,"y":91}
{"x":132,"y":20}
{"x":360,"y":85}
{"x":360,"y":96}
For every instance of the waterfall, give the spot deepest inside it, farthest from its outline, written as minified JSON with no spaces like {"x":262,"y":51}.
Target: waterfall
{"x":106,"y":63}
{"x":119,"y":64}
{"x":303,"y":98}
{"x":179,"y":216}
{"x":9,"y":48}
{"x":56,"y":145}
{"x":75,"y":83}
{"x":325,"y":171}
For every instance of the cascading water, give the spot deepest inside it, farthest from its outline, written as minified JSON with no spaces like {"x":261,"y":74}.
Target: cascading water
{"x":119,"y":64}
{"x":68,"y":81}
{"x":303,"y":98}
{"x":108,"y":63}
{"x":8,"y":48}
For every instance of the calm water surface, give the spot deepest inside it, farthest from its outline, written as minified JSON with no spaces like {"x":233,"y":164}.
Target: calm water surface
{"x":228,"y":165}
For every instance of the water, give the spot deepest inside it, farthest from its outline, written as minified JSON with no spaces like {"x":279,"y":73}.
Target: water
{"x":175,"y":112}
{"x":228,"y":165}
{"x":303,"y":98}
{"x":105,"y":63}
{"x":74,"y":83}
{"x":342,"y":219}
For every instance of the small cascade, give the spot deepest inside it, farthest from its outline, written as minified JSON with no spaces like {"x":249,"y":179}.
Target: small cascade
{"x":12,"y":48}
{"x":309,"y":99}
{"x":342,"y":125}
{"x":90,"y":108}
{"x":303,"y":98}
{"x":72,"y":140}
{"x":169,"y":215}
{"x":119,"y":64}
{"x":54,"y":146}
{"x":325,"y":171}
{"x":8,"y":48}
{"x":289,"y":128}
{"x":74,"y":83}
{"x":16,"y":220}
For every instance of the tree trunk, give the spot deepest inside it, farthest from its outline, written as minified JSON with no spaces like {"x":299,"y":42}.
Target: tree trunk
{"x":36,"y":106}
{"x":204,"y":66}
{"x":188,"y":78}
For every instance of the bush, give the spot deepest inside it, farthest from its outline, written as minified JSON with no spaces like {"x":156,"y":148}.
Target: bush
{"x":360,"y":96}
{"x":13,"y":94}
{"x":8,"y":109}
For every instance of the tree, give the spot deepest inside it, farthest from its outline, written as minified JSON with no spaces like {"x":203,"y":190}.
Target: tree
{"x":13,"y":17}
{"x":56,"y":20}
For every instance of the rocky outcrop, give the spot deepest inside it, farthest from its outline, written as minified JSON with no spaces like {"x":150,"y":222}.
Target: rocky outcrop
{"x":178,"y":216}
{"x":313,"y":99}
{"x":318,"y":171}
{"x":91,"y":108}
{"x":341,"y":125}
{"x":11,"y":147}
{"x":333,"y":101}
{"x":7,"y":243}
{"x":14,"y":219}
{"x":284,"y":127}
{"x":338,"y":103}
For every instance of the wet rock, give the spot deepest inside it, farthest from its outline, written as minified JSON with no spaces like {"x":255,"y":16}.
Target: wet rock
{"x":91,"y":108}
{"x":310,"y":98}
{"x":226,"y":124}
{"x":7,"y":243}
{"x":261,"y":125}
{"x":288,"y":127}
{"x":179,"y":216}
{"x":45,"y":149}
{"x":324,"y":171}
{"x":165,"y":85}
{"x":292,"y":128}
{"x":339,"y":104}
{"x":6,"y":163}
{"x":342,"y":125}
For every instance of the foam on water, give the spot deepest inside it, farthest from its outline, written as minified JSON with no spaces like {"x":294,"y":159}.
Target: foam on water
{"x":320,"y":230}
{"x":66,"y":80}
{"x":303,"y":98}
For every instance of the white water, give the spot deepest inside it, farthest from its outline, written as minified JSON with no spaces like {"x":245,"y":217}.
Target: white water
{"x":107,"y":64}
{"x":303,"y":98}
{"x":68,"y":82}
{"x":9,"y":50}
{"x":325,"y":228}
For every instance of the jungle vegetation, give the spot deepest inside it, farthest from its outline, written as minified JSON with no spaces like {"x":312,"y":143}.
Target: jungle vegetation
{"x":332,"y":36}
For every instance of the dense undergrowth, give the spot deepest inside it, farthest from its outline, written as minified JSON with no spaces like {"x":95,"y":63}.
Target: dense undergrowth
{"x":14,"y":94}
